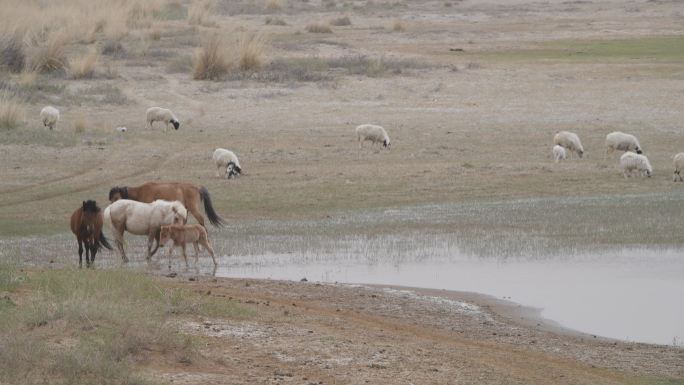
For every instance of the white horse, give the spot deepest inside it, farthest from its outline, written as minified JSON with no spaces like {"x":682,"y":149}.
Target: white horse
{"x":142,"y":219}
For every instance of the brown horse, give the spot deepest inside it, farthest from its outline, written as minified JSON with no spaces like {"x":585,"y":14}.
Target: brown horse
{"x":189,"y":195}
{"x":86,"y":224}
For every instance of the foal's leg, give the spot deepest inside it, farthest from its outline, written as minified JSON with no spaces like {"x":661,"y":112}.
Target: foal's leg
{"x":196,"y":246}
{"x":207,"y":246}
{"x":80,"y":253}
{"x":185,"y":257}
{"x":169,"y":253}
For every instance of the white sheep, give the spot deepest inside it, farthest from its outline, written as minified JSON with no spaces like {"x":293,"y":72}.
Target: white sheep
{"x":373,"y":133}
{"x":678,"y":162}
{"x":630,"y":161}
{"x":570,"y":141}
{"x":621,"y":142}
{"x":558,"y":153}
{"x":158,"y":114}
{"x":228,"y":159}
{"x":50,"y":116}
{"x":121,"y":129}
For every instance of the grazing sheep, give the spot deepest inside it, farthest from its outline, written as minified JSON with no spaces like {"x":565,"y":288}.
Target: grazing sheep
{"x":630,"y":161}
{"x":50,"y":116}
{"x":228,"y":159}
{"x":570,"y":141}
{"x":679,"y":166}
{"x":558,"y":153}
{"x":121,"y":129}
{"x":373,"y":133}
{"x":621,"y":142}
{"x":158,"y":114}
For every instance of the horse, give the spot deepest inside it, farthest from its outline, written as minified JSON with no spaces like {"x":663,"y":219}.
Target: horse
{"x":181,"y":235}
{"x":189,"y":195}
{"x":142,"y":219}
{"x":86,"y":224}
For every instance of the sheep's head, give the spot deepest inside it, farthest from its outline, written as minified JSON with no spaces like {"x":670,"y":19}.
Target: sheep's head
{"x":232,"y":170}
{"x":580,"y":153}
{"x":176,"y":123}
{"x":386,"y":143}
{"x":638,"y":151}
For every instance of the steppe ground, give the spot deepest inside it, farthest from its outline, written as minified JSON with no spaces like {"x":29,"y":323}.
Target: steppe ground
{"x":471,"y":93}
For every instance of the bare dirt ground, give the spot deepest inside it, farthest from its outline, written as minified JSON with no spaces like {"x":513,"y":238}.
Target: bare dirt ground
{"x":471,"y":114}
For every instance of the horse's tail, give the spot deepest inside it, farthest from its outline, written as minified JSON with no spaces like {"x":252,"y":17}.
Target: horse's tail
{"x":103,"y":242}
{"x":209,"y":208}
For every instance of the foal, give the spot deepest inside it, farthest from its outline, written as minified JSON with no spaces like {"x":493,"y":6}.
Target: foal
{"x":184,"y":234}
{"x":86,"y":224}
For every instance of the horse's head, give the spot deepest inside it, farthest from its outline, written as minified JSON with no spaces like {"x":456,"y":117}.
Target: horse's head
{"x":117,"y":193}
{"x":90,"y":206}
{"x":180,"y":213}
{"x":90,"y":212}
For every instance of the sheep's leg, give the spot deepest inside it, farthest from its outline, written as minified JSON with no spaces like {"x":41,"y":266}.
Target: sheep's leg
{"x":80,"y":253}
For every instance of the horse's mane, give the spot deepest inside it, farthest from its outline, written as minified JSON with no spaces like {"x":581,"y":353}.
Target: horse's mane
{"x":123,"y":191}
{"x":90,"y":206}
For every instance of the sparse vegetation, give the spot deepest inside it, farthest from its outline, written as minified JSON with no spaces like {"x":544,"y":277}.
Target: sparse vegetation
{"x":271,"y":20}
{"x":11,"y":112}
{"x":341,"y":21}
{"x":180,"y":64}
{"x":12,"y":55}
{"x":273,"y":5}
{"x":398,"y":26}
{"x":200,"y":13}
{"x":49,"y":55}
{"x":318,"y":28}
{"x":211,"y":62}
{"x":79,"y":124}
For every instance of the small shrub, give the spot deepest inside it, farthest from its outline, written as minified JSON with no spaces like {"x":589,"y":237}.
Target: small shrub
{"x":273,"y":5}
{"x":398,"y":26}
{"x":250,"y":52}
{"x":12,"y":55}
{"x":50,"y":56}
{"x":211,"y":62}
{"x":318,"y":28}
{"x":84,"y":67}
{"x":113,"y":48}
{"x":11,"y":112}
{"x":341,"y":21}
{"x":275,"y":21}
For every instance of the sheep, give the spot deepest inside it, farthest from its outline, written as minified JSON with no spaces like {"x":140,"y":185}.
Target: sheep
{"x":372,"y":133}
{"x":158,"y":114}
{"x":630,"y":161}
{"x":621,"y":142}
{"x":678,"y":166}
{"x":50,"y":116}
{"x":558,"y":153}
{"x":570,"y":141}
{"x":121,"y":129}
{"x":228,"y":159}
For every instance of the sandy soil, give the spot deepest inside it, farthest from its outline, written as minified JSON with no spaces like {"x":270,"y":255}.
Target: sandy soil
{"x":315,"y":333}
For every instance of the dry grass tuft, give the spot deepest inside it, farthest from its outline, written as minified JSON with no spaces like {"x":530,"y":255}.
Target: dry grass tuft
{"x":79,"y":124}
{"x":155,"y":34}
{"x":250,"y":52}
{"x":200,"y":13}
{"x":275,"y":21}
{"x":398,"y":26}
{"x":318,"y":28}
{"x":211,"y":62}
{"x":11,"y":112}
{"x":84,"y":67}
{"x":341,"y":21}
{"x":273,"y":5}
{"x":50,"y":55}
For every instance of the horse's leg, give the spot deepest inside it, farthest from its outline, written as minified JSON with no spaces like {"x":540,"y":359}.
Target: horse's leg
{"x":80,"y":253}
{"x":185,"y":256}
{"x":207,"y":246}
{"x":118,"y":232}
{"x":150,"y":241}
{"x":93,"y":252}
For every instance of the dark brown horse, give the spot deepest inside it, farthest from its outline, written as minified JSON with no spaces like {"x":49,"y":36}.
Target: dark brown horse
{"x":86,"y":224}
{"x":189,"y":195}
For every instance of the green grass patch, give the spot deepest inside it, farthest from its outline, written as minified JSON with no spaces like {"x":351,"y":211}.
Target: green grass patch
{"x":110,"y":319}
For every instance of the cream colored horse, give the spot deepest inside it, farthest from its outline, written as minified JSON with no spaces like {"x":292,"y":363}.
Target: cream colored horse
{"x":142,"y":219}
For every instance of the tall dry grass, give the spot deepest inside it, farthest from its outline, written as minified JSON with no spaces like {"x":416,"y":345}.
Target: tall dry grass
{"x":49,"y":55}
{"x":84,"y":67}
{"x":211,"y":61}
{"x":11,"y":112}
{"x":250,"y":52}
{"x":273,"y":5}
{"x":318,"y":28}
{"x":201,"y":13}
